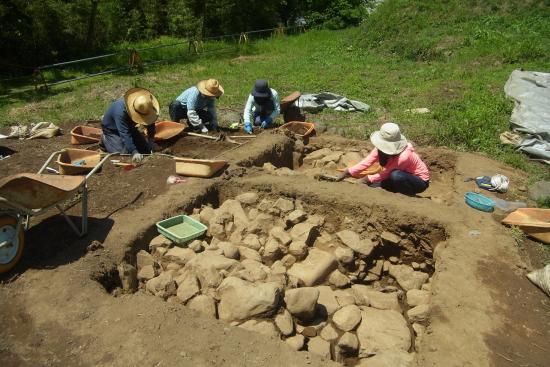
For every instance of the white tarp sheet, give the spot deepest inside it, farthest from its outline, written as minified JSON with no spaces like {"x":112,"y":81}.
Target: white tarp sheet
{"x":531,"y":115}
{"x":316,"y":102}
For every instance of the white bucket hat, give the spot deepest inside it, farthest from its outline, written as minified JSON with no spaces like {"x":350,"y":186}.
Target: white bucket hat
{"x":389,"y":139}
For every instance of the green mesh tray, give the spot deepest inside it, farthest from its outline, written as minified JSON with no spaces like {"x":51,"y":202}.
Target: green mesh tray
{"x":181,"y":229}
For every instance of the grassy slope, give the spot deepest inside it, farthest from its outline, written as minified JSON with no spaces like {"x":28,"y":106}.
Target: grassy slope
{"x":453,"y":59}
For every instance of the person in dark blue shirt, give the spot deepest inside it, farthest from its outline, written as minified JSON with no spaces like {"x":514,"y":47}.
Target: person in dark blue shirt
{"x":120,"y":124}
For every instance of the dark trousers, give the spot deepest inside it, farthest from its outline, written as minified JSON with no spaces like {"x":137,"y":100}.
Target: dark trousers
{"x":178,"y":112}
{"x":404,"y":183}
{"x":112,"y":143}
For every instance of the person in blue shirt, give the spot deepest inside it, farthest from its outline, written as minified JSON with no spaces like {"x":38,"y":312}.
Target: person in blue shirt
{"x":138,"y":108}
{"x":197,"y":105}
{"x":262,"y":106}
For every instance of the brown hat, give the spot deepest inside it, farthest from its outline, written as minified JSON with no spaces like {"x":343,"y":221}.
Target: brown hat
{"x":142,"y":106}
{"x":210,"y":87}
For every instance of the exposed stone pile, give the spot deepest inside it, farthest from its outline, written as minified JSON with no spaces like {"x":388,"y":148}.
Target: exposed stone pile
{"x":270,"y":267}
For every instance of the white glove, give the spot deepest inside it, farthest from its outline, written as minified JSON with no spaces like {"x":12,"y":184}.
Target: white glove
{"x":137,"y":158}
{"x":204,"y":130}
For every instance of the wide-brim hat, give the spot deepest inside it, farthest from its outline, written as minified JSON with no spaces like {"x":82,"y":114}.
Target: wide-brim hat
{"x":261,"y":89}
{"x":210,"y":88}
{"x":142,"y":106}
{"x":389,"y":139}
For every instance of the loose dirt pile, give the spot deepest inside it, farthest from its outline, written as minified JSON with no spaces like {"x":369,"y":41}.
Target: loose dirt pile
{"x":271,"y":267}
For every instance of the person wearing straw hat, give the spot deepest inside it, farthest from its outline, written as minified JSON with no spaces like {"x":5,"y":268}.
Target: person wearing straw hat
{"x":197,"y":105}
{"x":138,"y":108}
{"x":262,"y":106}
{"x":402,"y":169}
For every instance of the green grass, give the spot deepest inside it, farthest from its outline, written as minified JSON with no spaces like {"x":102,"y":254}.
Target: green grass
{"x":452,"y":57}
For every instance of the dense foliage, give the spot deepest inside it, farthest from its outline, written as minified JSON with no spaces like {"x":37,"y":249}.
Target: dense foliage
{"x":38,"y":32}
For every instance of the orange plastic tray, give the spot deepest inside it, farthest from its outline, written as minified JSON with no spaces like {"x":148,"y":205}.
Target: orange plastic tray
{"x":85,"y":135}
{"x":533,"y":221}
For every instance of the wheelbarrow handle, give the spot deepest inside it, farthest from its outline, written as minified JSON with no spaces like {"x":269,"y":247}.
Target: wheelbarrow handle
{"x":41,"y":170}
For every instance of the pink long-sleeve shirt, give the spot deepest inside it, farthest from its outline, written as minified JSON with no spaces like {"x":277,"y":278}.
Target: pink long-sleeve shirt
{"x":407,"y":161}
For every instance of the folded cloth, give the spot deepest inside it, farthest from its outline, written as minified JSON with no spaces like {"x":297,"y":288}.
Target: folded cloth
{"x":44,"y":130}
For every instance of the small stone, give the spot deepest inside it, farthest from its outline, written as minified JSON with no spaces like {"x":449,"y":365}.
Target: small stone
{"x":416,"y":297}
{"x":159,"y":241}
{"x":253,"y":213}
{"x":143,"y":258}
{"x":304,"y":232}
{"x":382,"y":330}
{"x":206,"y":214}
{"x":296,"y":342}
{"x":180,"y":255}
{"x":301,"y":302}
{"x":415,"y":265}
{"x":285,"y":323}
{"x":248,"y":253}
{"x":173,"y":266}
{"x":128,"y":277}
{"x":377,"y":299}
{"x":427,"y":287}
{"x":332,"y":157}
{"x":347,"y":318}
{"x":389,"y":237}
{"x":419,"y":329}
{"x":229,"y":250}
{"x":344,"y":255}
{"x":386,"y":267}
{"x":353,"y":241}
{"x":309,"y":331}
{"x":419,"y":313}
{"x":268,"y":167}
{"x":327,"y":300}
{"x":408,"y":278}
{"x":196,"y":246}
{"x":147,"y":272}
{"x":203,"y":304}
{"x":348,"y":343}
{"x":316,"y":220}
{"x":296,"y":216}
{"x":236,"y":210}
{"x":298,"y":249}
{"x":265,"y":205}
{"x":288,"y":260}
{"x":248,"y":198}
{"x":252,"y":241}
{"x":271,"y":251}
{"x":320,"y":347}
{"x":280,"y":235}
{"x":316,"y":155}
{"x":188,"y":287}
{"x":329,"y":333}
{"x":338,"y":279}
{"x":277,"y":268}
{"x":377,"y":269}
{"x":262,"y":327}
{"x":162,"y":286}
{"x":345,"y":298}
{"x":394,"y":260}
{"x":284,"y":205}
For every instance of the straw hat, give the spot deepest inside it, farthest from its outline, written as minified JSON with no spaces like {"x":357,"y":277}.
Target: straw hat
{"x":389,"y":139}
{"x":210,"y":88}
{"x":142,"y":106}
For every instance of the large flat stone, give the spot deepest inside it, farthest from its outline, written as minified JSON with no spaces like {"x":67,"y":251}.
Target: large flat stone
{"x":408,"y":278}
{"x":353,"y":241}
{"x":315,"y":268}
{"x":241,"y":300}
{"x":383,"y":330}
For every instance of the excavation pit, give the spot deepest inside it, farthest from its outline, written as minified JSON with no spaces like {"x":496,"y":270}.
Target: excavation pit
{"x":344,"y":282}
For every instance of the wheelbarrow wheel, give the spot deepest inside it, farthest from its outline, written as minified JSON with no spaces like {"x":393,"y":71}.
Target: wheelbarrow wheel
{"x":11,"y":253}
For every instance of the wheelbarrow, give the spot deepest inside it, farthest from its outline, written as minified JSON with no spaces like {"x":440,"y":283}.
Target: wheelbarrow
{"x":29,"y":194}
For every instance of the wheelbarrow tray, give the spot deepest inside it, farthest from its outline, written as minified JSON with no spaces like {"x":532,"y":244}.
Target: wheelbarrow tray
{"x":198,"y":167}
{"x":534,"y":222}
{"x":299,"y":128}
{"x":85,"y":135}
{"x":33,"y":191}
{"x":165,"y":130}
{"x":67,"y":159}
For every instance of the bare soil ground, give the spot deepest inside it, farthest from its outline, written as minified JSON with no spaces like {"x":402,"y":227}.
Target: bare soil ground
{"x":55,"y":310}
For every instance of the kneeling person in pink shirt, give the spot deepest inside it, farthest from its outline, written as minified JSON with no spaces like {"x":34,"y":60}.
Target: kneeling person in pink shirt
{"x":402,"y":169}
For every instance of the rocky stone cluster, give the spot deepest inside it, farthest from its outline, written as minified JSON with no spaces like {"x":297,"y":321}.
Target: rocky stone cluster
{"x":270,"y":267}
